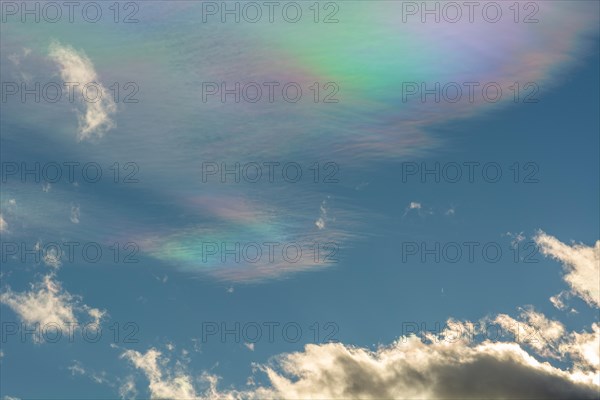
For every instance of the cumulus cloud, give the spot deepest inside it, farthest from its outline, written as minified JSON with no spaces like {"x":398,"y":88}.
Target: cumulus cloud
{"x":581,"y":264}
{"x":413,"y":369}
{"x":429,"y":367}
{"x":99,"y":106}
{"x":534,"y":330}
{"x":584,"y":349}
{"x":48,"y":303}
{"x":550,"y":339}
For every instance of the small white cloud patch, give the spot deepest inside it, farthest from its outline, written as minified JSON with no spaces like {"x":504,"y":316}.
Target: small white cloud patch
{"x":127,"y":389}
{"x":3,"y":224}
{"x":560,"y":300}
{"x":75,"y":214}
{"x":52,"y":258}
{"x":76,"y":68}
{"x":76,"y":368}
{"x":414,"y":205}
{"x":321,"y":222}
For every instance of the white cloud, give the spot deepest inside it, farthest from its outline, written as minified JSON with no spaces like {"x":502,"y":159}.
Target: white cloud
{"x":52,"y":257}
{"x":434,"y":366}
{"x":75,"y":214}
{"x":412,"y":369}
{"x":321,"y":222}
{"x":431,"y":367}
{"x":164,"y":384}
{"x":516,"y":238}
{"x":249,"y":346}
{"x":584,"y":349}
{"x":3,"y":224}
{"x":77,"y":68}
{"x":581,"y":264}
{"x":127,"y":389}
{"x":417,"y":207}
{"x":196,"y":345}
{"x":48,"y":303}
{"x":76,"y":368}
{"x":9,"y":209}
{"x":534,"y":330}
{"x":560,"y":301}
{"x":414,"y":205}
{"x":16,"y":58}
{"x":549,"y":338}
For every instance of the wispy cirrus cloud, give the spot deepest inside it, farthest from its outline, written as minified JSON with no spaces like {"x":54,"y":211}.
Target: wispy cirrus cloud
{"x":369,"y":55}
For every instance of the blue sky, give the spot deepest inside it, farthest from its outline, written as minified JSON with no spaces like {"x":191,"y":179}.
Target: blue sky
{"x":163,"y":292}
